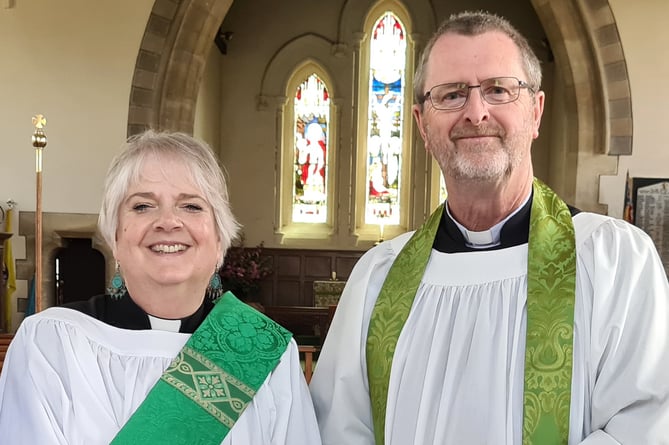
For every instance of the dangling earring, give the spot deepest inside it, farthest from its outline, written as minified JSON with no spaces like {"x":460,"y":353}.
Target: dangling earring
{"x":116,"y":287}
{"x":215,"y":288}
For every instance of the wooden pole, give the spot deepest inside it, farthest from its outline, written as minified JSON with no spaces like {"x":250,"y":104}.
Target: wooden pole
{"x":39,"y":142}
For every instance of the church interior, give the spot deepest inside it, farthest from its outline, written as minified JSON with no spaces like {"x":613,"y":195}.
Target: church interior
{"x":232,"y":73}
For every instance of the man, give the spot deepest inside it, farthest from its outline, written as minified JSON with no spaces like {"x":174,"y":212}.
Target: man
{"x":508,"y":317}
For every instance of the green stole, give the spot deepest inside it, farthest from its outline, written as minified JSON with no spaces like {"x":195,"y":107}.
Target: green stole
{"x":208,"y":385}
{"x":551,"y":283}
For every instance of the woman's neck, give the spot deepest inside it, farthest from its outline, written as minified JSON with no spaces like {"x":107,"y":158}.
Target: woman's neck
{"x":169,"y":302}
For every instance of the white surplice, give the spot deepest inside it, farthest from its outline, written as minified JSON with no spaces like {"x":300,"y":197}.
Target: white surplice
{"x":71,"y":379}
{"x":457,"y":374}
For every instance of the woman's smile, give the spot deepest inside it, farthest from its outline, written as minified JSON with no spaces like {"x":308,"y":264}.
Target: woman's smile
{"x":166,"y":233}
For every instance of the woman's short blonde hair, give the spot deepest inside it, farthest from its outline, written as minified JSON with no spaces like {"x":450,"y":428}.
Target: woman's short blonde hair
{"x":196,"y":155}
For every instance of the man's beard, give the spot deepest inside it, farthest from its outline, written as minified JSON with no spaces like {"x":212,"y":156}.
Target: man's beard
{"x":491,"y":159}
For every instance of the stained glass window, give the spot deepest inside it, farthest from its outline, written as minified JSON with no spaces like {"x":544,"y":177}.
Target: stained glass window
{"x":312,"y":117}
{"x":384,"y":134}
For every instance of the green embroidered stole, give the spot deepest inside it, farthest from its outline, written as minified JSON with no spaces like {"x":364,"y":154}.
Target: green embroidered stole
{"x":208,"y":385}
{"x":551,"y":283}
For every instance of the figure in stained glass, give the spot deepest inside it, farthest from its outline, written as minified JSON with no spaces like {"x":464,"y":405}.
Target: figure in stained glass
{"x":312,"y":112}
{"x":384,"y":136}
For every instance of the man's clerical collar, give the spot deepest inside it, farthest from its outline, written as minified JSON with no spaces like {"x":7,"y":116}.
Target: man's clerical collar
{"x":490,"y":238}
{"x":452,"y":237}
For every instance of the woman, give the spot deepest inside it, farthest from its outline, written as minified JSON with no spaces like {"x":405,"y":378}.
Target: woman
{"x":158,"y":360}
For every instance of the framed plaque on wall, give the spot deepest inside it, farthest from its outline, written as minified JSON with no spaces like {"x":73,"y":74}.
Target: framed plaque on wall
{"x":647,"y":207}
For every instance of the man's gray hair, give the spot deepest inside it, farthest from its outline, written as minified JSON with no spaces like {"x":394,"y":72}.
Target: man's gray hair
{"x":472,"y":24}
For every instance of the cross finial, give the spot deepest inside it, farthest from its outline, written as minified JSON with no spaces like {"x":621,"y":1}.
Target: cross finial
{"x":39,"y":121}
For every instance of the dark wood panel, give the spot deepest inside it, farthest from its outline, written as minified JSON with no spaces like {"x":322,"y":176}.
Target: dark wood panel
{"x":295,"y":270}
{"x":308,"y":292}
{"x":288,"y":292}
{"x":317,"y":266}
{"x":288,"y":265}
{"x":344,"y":265}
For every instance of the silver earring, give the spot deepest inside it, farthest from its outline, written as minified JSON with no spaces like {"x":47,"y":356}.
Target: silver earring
{"x":116,"y":287}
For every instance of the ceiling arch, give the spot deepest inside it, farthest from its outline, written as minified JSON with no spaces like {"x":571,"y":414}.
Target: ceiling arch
{"x":583,"y":36}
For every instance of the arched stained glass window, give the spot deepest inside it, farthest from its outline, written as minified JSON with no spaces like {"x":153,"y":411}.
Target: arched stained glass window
{"x":312,"y":119}
{"x":384,"y":135}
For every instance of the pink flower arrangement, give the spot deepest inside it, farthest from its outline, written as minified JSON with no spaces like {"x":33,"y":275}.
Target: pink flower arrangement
{"x":243,"y":269}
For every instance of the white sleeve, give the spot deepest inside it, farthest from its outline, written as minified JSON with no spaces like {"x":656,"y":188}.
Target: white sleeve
{"x":599,"y":437}
{"x":629,"y":343}
{"x":339,"y":387}
{"x":295,"y":418}
{"x":26,"y":410}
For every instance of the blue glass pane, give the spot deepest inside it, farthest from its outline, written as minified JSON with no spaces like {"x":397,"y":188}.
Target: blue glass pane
{"x":386,"y":115}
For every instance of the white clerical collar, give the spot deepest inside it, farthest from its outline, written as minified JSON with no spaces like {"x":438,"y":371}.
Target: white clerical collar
{"x":163,"y":324}
{"x":486,"y":238}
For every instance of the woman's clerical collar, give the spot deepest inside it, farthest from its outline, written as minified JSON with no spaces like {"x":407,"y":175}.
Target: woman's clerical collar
{"x":187,"y":324}
{"x":164,"y":324}
{"x":126,"y":314}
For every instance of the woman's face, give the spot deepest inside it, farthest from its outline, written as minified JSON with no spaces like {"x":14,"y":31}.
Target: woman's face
{"x":166,"y":233}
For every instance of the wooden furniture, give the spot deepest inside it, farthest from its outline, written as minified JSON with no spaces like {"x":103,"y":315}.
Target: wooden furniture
{"x":331,"y":311}
{"x":308,"y":324}
{"x":5,"y":339}
{"x":295,"y":270}
{"x":3,"y":285}
{"x":308,"y":352}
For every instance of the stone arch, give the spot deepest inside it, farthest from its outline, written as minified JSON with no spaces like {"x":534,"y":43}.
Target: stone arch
{"x":421,"y":13}
{"x":286,"y":230}
{"x":358,"y":24}
{"x":171,"y":62}
{"x":614,"y":94}
{"x":589,"y":57}
{"x":297,"y":51}
{"x":303,"y":51}
{"x":583,"y":36}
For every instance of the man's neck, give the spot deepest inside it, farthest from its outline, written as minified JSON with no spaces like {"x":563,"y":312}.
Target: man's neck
{"x":480,"y":205}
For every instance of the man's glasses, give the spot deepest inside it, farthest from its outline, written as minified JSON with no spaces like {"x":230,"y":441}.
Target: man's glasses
{"x":495,"y":91}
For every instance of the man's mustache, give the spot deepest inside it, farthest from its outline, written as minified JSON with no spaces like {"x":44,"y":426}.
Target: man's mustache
{"x":469,"y":132}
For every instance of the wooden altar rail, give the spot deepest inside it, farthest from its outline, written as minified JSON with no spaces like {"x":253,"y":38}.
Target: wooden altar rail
{"x":309,"y":326}
{"x":308,"y":353}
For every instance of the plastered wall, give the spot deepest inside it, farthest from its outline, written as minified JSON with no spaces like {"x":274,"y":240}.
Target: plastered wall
{"x":73,"y":61}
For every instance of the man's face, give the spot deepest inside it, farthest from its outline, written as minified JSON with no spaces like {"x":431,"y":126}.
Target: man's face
{"x":480,"y":141}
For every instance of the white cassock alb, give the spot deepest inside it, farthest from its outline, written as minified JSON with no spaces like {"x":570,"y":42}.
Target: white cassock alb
{"x":457,"y":374}
{"x":71,"y":379}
